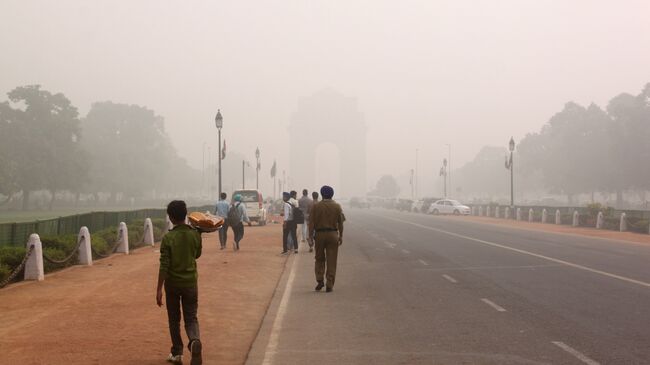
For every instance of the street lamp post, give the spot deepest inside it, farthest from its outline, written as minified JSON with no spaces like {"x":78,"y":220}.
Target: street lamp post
{"x":218,"y":121}
{"x":443,"y":173}
{"x":257,"y":169}
{"x":510,"y":166}
{"x":244,"y":163}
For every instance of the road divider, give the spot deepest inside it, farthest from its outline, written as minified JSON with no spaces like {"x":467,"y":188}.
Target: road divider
{"x":496,"y":307}
{"x":450,"y":278}
{"x":580,"y":356}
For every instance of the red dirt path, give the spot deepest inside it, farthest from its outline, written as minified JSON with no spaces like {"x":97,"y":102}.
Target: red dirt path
{"x":106,"y":313}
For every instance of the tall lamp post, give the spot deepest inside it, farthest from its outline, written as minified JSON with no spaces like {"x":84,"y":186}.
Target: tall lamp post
{"x":257,"y":169}
{"x":443,"y":173}
{"x":218,"y":121}
{"x":244,"y":163}
{"x":509,"y":166}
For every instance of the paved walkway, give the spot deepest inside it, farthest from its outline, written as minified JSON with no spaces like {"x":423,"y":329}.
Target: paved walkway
{"x":106,"y":313}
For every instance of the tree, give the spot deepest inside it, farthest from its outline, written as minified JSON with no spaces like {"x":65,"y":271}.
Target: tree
{"x":42,"y":136}
{"x":130,"y":150}
{"x":386,"y":187}
{"x":485,"y":174}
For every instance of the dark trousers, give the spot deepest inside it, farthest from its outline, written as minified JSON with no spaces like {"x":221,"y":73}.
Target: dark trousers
{"x":223,"y":234}
{"x":289,"y":230}
{"x":238,"y":232}
{"x":327,"y":250}
{"x":186,"y":299}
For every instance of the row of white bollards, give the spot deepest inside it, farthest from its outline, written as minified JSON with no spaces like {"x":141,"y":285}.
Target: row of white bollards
{"x":34,"y":266}
{"x":575,"y":222}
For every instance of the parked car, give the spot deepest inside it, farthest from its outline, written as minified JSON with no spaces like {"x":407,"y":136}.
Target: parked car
{"x":417,"y":206}
{"x":359,"y":203}
{"x":448,"y":206}
{"x":254,"y":205}
{"x":404,"y":205}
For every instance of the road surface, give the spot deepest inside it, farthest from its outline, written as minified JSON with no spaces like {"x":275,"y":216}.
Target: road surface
{"x":417,"y":289}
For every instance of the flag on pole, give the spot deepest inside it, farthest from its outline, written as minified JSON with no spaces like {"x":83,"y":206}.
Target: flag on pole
{"x":223,"y":150}
{"x":273,"y":170}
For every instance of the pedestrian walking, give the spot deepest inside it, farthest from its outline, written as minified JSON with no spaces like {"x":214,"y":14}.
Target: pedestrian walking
{"x":178,"y":274}
{"x":305,"y":204}
{"x":314,"y":196}
{"x":236,"y":218}
{"x":288,"y":231}
{"x":298,"y":218}
{"x":326,"y":226}
{"x":222,"y":211}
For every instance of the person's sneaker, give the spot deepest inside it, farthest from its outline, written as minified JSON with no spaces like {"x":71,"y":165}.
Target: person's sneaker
{"x":311,"y":249}
{"x":196,"y":349}
{"x":319,"y":286}
{"x":222,"y":247}
{"x":328,"y":289}
{"x":175,"y":359}
{"x":284,"y":253}
{"x":296,"y":251}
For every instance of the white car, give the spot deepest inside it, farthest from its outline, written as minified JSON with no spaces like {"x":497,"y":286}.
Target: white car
{"x":448,"y":206}
{"x":254,"y":205}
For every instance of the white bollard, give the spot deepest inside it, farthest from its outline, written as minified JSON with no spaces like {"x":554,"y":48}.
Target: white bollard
{"x":34,"y":265}
{"x":480,"y":211}
{"x":487,"y":211}
{"x":600,"y":220}
{"x":576,"y":218}
{"x":496,"y":212}
{"x":623,"y":226}
{"x":531,"y":215}
{"x":85,"y":251}
{"x":473,"y":210}
{"x":544,"y":216}
{"x":558,"y":217}
{"x":507,"y":213}
{"x":518,"y":214}
{"x":123,"y":236}
{"x":148,"y":232}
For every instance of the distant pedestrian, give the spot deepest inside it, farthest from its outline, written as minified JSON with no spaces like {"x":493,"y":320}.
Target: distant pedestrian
{"x":305,"y":204}
{"x":314,"y":196}
{"x":236,"y":218}
{"x":178,"y":274}
{"x":326,"y":223}
{"x":298,"y":218}
{"x":289,"y":239}
{"x":222,"y":211}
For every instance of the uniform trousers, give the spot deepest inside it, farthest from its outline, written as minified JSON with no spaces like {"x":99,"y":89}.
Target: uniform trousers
{"x":327,"y":249}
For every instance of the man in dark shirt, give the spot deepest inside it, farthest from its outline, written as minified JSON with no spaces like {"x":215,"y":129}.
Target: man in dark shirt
{"x":178,"y":274}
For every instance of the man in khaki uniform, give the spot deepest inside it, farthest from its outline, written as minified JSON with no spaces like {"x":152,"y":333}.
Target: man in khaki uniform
{"x":326,"y":227}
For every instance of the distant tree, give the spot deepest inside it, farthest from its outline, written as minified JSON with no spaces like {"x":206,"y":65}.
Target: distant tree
{"x":130,"y":150}
{"x":42,"y":136}
{"x":387,"y":187}
{"x":485,"y":174}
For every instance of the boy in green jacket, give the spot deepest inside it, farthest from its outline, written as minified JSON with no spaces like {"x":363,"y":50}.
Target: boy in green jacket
{"x":179,"y":250}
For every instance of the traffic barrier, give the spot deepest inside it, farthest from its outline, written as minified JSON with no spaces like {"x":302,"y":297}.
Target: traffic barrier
{"x":507,"y":213}
{"x":34,"y":265}
{"x":576,"y":218}
{"x":544,"y":216}
{"x":85,"y":247}
{"x":148,"y":232}
{"x":600,"y":220}
{"x":558,"y":217}
{"x":123,"y":239}
{"x":623,"y":224}
{"x":531,"y":215}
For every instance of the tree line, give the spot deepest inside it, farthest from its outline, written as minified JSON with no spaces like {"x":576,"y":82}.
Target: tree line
{"x":580,"y":150}
{"x":117,"y":149}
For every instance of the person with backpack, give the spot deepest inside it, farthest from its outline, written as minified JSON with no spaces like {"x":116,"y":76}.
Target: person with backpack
{"x":236,"y":218}
{"x":298,"y":218}
{"x":289,"y":238}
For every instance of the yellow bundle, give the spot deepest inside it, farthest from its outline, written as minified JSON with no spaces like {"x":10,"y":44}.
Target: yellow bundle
{"x":205,"y":220}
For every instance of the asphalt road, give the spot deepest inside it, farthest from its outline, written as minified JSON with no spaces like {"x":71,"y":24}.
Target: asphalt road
{"x":416,"y":289}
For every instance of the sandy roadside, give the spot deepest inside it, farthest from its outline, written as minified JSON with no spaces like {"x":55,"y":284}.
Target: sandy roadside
{"x":629,"y":237}
{"x":106,"y":314}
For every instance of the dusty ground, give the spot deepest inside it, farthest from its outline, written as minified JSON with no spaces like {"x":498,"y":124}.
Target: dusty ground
{"x":106,"y":313}
{"x":564,"y":229}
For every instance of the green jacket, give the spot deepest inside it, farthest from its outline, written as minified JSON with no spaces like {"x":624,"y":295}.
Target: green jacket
{"x":179,"y":250}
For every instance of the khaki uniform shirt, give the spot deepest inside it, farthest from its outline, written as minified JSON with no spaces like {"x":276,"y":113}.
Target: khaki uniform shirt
{"x":326,"y":214}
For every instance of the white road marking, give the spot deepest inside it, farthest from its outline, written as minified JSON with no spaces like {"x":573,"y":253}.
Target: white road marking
{"x":496,"y":307}
{"x":580,"y":356}
{"x":406,"y":251}
{"x":390,"y":244}
{"x":423,"y":262}
{"x":450,"y":278}
{"x":272,"y":346}
{"x":566,"y":263}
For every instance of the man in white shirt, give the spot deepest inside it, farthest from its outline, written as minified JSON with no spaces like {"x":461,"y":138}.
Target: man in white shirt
{"x":288,"y":226}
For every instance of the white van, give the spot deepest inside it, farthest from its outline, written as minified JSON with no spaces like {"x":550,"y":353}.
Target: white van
{"x":254,"y":205}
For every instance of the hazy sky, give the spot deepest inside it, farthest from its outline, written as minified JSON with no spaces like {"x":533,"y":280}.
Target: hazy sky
{"x":425,"y":73}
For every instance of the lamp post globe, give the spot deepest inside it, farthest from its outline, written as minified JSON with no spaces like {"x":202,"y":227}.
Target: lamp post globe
{"x":218,"y":120}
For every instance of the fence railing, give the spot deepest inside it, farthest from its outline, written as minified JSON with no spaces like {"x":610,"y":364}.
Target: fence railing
{"x":16,"y":234}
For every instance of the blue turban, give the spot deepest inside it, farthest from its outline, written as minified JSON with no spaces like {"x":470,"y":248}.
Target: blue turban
{"x":327,"y":192}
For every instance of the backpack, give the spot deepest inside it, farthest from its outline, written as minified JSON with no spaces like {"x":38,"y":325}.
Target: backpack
{"x":234,"y":219}
{"x":298,"y":216}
